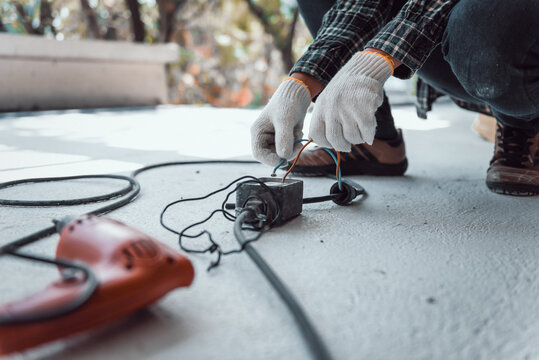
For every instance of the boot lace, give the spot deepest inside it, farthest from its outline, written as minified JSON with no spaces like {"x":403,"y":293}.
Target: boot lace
{"x":514,"y":146}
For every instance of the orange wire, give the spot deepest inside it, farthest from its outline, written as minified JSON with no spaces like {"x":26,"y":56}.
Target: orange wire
{"x":296,"y":159}
{"x":338,"y":165}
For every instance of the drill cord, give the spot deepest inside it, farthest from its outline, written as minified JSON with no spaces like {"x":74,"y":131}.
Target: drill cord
{"x":90,"y":283}
{"x":128,"y":194}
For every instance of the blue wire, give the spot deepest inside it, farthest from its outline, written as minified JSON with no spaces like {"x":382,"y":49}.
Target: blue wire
{"x":278,"y":166}
{"x":283,"y":160}
{"x":326,"y":149}
{"x":336,"y":163}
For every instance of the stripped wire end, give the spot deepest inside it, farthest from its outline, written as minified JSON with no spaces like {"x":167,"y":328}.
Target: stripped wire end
{"x":273,"y":174}
{"x":281,"y":163}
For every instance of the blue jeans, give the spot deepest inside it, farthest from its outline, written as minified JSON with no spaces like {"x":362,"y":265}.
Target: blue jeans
{"x":489,"y":55}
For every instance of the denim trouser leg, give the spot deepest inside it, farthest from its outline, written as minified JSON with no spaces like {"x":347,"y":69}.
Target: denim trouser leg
{"x":490,"y":55}
{"x":313,"y":11}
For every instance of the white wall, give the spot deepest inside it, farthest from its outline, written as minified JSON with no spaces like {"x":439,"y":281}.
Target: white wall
{"x":40,"y":74}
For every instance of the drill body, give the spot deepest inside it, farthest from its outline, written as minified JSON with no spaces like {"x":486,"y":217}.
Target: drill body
{"x":133,"y":271}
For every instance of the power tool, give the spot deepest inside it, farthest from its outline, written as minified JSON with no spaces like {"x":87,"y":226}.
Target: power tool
{"x":109,"y":270}
{"x":132,"y":271}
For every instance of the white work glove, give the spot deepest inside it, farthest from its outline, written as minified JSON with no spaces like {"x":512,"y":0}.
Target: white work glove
{"x":344,"y":111}
{"x":280,"y":124}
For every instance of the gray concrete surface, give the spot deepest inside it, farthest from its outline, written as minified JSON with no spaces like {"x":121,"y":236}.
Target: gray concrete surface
{"x":430,"y":266}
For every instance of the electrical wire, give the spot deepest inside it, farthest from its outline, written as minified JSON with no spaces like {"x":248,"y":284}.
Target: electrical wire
{"x":281,"y":163}
{"x":337,"y":164}
{"x":214,"y":246}
{"x":283,"y":160}
{"x":68,"y":202}
{"x":338,"y":169}
{"x":310,"y":335}
{"x":134,"y":191}
{"x":90,"y":286}
{"x":296,"y":159}
{"x":12,"y":248}
{"x":337,"y":161}
{"x":317,"y":199}
{"x":129,"y":193}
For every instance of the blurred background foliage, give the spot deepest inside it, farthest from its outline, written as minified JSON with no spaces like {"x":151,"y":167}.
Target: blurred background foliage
{"x":232,"y":52}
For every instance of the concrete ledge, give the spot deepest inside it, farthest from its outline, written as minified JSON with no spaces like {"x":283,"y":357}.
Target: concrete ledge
{"x":42,"y":74}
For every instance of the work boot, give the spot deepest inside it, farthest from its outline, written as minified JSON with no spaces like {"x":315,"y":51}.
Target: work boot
{"x":383,"y":157}
{"x":514,"y":169}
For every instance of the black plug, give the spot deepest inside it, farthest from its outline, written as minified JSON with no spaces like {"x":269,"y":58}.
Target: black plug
{"x":349,"y":191}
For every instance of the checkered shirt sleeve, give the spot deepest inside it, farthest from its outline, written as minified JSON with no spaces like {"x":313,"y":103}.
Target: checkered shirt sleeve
{"x":349,"y":26}
{"x":345,"y":30}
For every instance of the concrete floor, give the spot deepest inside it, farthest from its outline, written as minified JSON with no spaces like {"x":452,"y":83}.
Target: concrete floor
{"x":430,"y":266}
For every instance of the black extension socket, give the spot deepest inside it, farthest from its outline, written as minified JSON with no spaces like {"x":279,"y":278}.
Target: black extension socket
{"x":283,"y":203}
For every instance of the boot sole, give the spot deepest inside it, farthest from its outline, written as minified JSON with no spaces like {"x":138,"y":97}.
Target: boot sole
{"x":354,"y":168}
{"x":513,"y":189}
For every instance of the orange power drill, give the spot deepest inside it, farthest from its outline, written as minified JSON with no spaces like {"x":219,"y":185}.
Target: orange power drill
{"x":129,"y":271}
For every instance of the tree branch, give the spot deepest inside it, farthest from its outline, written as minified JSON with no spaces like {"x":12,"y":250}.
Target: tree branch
{"x":292,"y":28}
{"x":25,"y":21}
{"x":136,"y":23}
{"x":258,"y":11}
{"x":46,"y":17}
{"x":283,"y":42}
{"x":287,"y":51}
{"x":91,"y":20}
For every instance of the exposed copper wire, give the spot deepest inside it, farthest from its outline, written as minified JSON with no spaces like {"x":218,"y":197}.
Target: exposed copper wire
{"x":296,"y":159}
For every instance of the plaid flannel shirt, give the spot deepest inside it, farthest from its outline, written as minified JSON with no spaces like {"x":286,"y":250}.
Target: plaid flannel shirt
{"x":410,"y":36}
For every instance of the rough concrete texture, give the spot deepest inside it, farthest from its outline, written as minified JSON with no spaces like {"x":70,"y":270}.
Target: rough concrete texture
{"x":430,"y":266}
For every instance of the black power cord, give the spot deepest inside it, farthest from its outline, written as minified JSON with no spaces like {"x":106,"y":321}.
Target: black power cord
{"x":128,"y":194}
{"x":214,"y":246}
{"x":69,"y":269}
{"x":125,"y":195}
{"x":253,"y":215}
{"x":309,"y":333}
{"x":12,"y":248}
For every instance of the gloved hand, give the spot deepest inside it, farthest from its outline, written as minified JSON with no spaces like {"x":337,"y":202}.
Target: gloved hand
{"x":280,"y":124}
{"x":344,"y":111}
